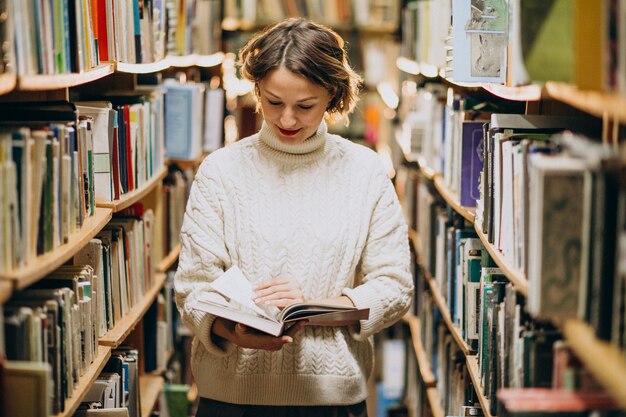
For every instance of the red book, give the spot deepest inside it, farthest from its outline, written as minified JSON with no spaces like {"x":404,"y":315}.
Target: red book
{"x":100,"y":27}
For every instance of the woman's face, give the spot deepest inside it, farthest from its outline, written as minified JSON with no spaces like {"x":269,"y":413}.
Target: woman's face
{"x":293,"y":107}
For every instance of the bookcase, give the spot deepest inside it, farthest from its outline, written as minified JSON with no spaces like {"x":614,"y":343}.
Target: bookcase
{"x":195,"y":55}
{"x":422,"y":179}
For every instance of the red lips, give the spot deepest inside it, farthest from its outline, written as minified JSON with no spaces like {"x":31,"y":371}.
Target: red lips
{"x":286,"y":132}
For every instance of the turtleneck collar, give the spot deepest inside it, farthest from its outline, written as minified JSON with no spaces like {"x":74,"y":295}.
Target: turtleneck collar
{"x":310,"y":149}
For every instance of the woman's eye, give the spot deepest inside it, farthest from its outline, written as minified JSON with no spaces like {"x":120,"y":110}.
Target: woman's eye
{"x":274,"y":103}
{"x":305,"y":107}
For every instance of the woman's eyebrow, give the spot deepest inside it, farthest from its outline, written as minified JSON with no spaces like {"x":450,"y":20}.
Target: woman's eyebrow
{"x":299,"y":101}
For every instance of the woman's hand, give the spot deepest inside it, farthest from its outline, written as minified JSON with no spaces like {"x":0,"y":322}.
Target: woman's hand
{"x":247,"y":337}
{"x":279,"y":292}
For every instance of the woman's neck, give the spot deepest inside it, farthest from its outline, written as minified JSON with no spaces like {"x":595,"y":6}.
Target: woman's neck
{"x":310,"y":149}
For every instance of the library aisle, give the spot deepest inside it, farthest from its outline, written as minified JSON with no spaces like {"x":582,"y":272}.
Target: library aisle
{"x":501,"y":124}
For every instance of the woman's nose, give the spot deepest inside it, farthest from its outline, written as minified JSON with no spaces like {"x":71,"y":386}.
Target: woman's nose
{"x":287,"y":119}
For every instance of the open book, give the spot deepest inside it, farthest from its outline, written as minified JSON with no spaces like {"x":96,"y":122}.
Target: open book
{"x":233,"y":300}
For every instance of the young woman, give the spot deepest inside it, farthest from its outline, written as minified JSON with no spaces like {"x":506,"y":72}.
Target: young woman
{"x":306,"y":215}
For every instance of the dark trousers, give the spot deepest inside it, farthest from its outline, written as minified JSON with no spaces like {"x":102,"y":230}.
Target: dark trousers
{"x":212,"y":408}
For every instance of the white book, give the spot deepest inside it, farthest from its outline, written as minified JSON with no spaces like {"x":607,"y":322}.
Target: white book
{"x":214,"y":119}
{"x":232,"y":299}
{"x":101,"y":137}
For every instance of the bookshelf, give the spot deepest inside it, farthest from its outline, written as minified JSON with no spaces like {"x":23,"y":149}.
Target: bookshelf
{"x":8,"y":81}
{"x":157,"y":66}
{"x":435,"y":403}
{"x":169,"y":260}
{"x":445,"y":316}
{"x":596,"y":103}
{"x":85,"y":382}
{"x":605,"y":362}
{"x":130,"y":198}
{"x":426,"y":372}
{"x":59,"y":81}
{"x":194,"y":60}
{"x":150,"y":387}
{"x":6,"y":289}
{"x":118,"y":334}
{"x":474,"y":373}
{"x":452,"y":198}
{"x":45,"y":264}
{"x":516,"y":277}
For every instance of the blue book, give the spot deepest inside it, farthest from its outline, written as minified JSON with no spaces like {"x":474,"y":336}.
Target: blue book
{"x":471,"y":162}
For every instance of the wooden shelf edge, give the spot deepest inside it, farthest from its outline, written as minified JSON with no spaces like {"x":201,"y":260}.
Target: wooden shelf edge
{"x":605,"y":361}
{"x":445,"y":315}
{"x":142,"y":68}
{"x":85,"y":383}
{"x":468,"y":213}
{"x":8,"y":81}
{"x":44,"y":264}
{"x":128,"y":199}
{"x":472,"y":369}
{"x":428,"y":378}
{"x":150,"y":387}
{"x":40,"y":82}
{"x":518,"y":279}
{"x":205,"y":61}
{"x":596,"y":103}
{"x":122,"y":329}
{"x":435,"y":403}
{"x":184,"y":164}
{"x":530,"y":92}
{"x":169,"y":260}
{"x":6,"y":289}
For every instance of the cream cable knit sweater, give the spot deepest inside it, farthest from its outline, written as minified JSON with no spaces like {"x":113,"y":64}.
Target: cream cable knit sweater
{"x":323,"y":212}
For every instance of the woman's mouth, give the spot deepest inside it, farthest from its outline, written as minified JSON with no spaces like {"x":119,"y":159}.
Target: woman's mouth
{"x":286,"y":132}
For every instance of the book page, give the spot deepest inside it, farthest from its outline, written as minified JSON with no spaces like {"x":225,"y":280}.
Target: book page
{"x":234,"y":285}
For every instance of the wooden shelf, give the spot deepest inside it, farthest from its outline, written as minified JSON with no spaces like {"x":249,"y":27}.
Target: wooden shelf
{"x":142,"y":68}
{"x":6,"y":289}
{"x":128,"y":199}
{"x":596,"y":103}
{"x":531,"y":92}
{"x":205,"y":61}
{"x":169,"y":260}
{"x":605,"y":361}
{"x":86,"y":381}
{"x":150,"y":387}
{"x":427,"y":374}
{"x":428,"y":173}
{"x":8,"y":81}
{"x":122,"y":329}
{"x":44,"y":264}
{"x":445,"y":315}
{"x":474,"y":372}
{"x":517,"y":278}
{"x":184,"y":164}
{"x":452,"y":198}
{"x":435,"y":403}
{"x":42,"y":82}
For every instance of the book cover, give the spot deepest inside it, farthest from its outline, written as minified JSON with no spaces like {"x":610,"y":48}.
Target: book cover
{"x":471,"y":162}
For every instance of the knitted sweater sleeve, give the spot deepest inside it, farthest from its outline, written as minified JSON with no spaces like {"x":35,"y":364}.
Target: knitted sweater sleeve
{"x":387,"y":285}
{"x":203,"y":256}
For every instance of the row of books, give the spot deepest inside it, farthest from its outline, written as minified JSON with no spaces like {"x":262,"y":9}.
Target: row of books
{"x":47,"y":188}
{"x":518,"y":42}
{"x":513,"y":351}
{"x":117,"y":386}
{"x":65,"y":36}
{"x":54,"y":325}
{"x":193,"y":119}
{"x":59,"y":319}
{"x":129,"y":133}
{"x":516,"y":170}
{"x":176,"y":187}
{"x":340,"y":13}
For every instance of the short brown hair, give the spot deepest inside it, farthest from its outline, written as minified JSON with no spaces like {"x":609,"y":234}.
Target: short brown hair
{"x":309,"y":49}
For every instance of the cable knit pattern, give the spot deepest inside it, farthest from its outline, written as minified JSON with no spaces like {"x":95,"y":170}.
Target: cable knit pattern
{"x":324,"y":212}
